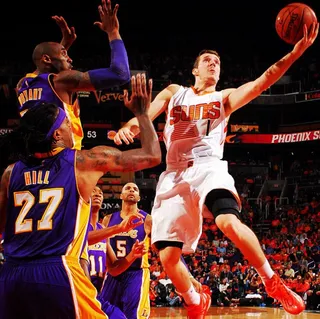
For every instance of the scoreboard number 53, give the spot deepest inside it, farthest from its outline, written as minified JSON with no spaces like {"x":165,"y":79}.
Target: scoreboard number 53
{"x":91,"y":134}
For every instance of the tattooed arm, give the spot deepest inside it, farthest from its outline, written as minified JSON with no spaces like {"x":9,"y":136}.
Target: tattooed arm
{"x":94,"y":163}
{"x":233,"y":99}
{"x":4,"y":196}
{"x":102,"y":159}
{"x":73,"y":80}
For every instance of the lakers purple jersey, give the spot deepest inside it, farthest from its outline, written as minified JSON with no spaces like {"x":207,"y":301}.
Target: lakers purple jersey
{"x":36,"y":89}
{"x":46,"y":216}
{"x":123,"y":242}
{"x":97,"y":255}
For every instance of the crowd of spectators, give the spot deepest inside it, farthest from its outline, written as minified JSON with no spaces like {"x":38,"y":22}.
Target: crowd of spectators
{"x":291,"y":246}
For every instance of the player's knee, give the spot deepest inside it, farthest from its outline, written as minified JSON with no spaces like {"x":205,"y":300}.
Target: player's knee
{"x":170,"y":256}
{"x":228,"y":223}
{"x":222,"y":202}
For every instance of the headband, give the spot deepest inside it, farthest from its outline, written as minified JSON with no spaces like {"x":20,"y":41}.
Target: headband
{"x":57,"y":123}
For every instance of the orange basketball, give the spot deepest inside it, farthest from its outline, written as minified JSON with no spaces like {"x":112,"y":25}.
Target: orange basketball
{"x":291,"y":19}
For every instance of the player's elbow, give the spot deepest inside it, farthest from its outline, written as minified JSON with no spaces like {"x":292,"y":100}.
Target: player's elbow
{"x":125,"y":77}
{"x":157,"y":160}
{"x":122,"y":74}
{"x":154,"y":160}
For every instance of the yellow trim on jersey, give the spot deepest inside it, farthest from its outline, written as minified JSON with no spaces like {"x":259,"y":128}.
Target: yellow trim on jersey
{"x":85,"y":254}
{"x":76,"y":126}
{"x":82,"y":221}
{"x":83,"y":292}
{"x":144,"y":261}
{"x":53,"y":152}
{"x":143,"y":310}
{"x":23,"y":112}
{"x":31,"y":75}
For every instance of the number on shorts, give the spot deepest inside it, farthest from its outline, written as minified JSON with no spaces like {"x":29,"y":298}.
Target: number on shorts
{"x":52,"y":196}
{"x":121,"y":248}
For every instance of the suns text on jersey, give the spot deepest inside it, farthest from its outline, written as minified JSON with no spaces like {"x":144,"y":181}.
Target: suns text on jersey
{"x":202,"y":111}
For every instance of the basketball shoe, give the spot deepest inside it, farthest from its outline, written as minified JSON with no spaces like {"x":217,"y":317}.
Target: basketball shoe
{"x":199,"y":311}
{"x":290,"y":301}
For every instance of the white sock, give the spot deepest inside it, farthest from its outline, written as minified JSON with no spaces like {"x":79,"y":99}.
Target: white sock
{"x":191,"y":297}
{"x":265,"y":271}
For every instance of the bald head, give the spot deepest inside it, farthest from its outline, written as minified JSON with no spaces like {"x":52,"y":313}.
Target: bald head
{"x":45,"y":48}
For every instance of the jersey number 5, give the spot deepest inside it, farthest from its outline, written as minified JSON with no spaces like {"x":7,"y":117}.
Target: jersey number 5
{"x":121,"y":248}
{"x":51,"y":196}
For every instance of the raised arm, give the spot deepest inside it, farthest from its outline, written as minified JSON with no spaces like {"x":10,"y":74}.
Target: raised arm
{"x":159,"y":105}
{"x":129,"y":222}
{"x":117,"y":74}
{"x":68,"y":33}
{"x":4,"y":196}
{"x":236,"y":98}
{"x":92,"y":164}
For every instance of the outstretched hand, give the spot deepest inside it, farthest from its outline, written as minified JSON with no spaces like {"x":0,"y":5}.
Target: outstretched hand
{"x":131,"y":221}
{"x":307,"y":39}
{"x":109,"y":21}
{"x":138,"y":103}
{"x":140,"y":100}
{"x":68,"y":33}
{"x":124,"y":134}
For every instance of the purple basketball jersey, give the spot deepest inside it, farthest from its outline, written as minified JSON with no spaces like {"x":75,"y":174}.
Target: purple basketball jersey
{"x":97,"y":255}
{"x":45,"y":215}
{"x":36,"y":89}
{"x":123,"y":242}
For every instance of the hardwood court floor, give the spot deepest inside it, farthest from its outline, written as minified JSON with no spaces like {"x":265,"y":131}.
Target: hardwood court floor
{"x":234,"y":313}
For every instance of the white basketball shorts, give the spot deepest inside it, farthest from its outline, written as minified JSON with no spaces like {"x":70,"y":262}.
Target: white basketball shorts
{"x":179,"y":203}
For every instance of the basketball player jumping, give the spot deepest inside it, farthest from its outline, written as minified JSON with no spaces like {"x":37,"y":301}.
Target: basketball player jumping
{"x":197,"y":180}
{"x":54,"y":81}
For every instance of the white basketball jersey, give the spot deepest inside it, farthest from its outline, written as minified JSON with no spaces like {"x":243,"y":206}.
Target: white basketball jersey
{"x":196,"y":126}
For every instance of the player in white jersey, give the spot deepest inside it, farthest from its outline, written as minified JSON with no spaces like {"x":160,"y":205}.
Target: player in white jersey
{"x":197,"y":181}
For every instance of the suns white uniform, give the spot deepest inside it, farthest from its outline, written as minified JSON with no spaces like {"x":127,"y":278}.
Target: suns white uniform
{"x":195,"y":131}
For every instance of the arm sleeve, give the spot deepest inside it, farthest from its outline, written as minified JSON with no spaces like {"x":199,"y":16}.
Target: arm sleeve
{"x":118,"y":73}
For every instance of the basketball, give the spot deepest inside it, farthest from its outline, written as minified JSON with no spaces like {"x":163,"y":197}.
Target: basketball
{"x":291,"y":19}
